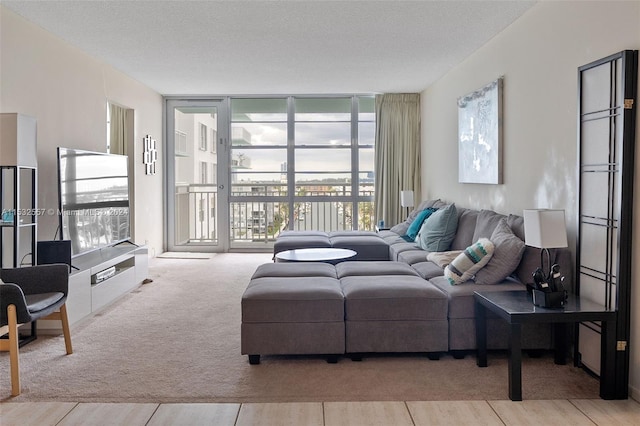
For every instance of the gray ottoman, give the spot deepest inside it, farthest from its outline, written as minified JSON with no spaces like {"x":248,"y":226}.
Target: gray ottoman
{"x":367,"y":245}
{"x":291,"y":240}
{"x":389,"y":308}
{"x":291,"y":308}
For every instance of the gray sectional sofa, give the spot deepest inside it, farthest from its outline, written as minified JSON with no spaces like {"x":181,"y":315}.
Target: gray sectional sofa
{"x":400,"y":302}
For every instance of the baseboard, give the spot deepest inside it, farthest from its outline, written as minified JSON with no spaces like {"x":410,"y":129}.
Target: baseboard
{"x":634,"y":393}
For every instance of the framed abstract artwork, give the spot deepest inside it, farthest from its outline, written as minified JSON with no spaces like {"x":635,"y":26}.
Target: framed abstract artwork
{"x":480,"y":135}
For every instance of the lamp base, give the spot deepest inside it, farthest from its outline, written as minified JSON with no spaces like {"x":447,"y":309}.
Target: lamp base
{"x":554,"y":299}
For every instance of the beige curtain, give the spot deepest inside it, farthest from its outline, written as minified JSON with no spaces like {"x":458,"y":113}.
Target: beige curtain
{"x":397,"y":154}
{"x":117,"y":129}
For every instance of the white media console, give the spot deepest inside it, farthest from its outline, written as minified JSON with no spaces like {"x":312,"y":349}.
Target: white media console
{"x":102,"y":276}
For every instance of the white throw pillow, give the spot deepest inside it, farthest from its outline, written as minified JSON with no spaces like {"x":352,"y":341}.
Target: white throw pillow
{"x":470,"y":261}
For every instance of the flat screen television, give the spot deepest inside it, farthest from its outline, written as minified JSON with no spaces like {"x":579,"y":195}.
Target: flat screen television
{"x":93,"y":199}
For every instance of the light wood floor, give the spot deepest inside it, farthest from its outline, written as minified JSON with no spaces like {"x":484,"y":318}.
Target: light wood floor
{"x":411,"y":413}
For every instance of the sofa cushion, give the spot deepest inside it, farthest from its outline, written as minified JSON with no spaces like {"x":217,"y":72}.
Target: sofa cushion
{"x":486,"y":223}
{"x":466,"y":227}
{"x":413,"y":256}
{"x":506,"y":256}
{"x":427,"y":270}
{"x":443,"y":258}
{"x":439,"y":229}
{"x":470,"y":261}
{"x":415,"y":226}
{"x":461,"y":302}
{"x":397,"y":248}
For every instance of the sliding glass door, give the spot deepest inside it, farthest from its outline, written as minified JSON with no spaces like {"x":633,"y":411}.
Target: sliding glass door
{"x":196,"y":176}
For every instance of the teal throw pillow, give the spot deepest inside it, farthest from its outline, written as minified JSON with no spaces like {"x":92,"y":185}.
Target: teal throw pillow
{"x":415,"y":226}
{"x":439,"y":230}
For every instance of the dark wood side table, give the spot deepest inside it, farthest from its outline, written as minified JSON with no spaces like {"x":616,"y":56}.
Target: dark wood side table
{"x":517,"y":308}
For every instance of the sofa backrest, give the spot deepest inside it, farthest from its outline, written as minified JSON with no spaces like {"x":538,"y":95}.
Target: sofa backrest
{"x":476,"y":224}
{"x":466,"y":227}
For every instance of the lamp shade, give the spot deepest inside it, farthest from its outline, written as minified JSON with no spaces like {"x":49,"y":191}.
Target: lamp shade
{"x":406,"y":198}
{"x":545,"y":228}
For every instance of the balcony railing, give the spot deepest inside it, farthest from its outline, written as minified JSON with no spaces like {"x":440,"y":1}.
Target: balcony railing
{"x":195,"y":214}
{"x":255,"y":218}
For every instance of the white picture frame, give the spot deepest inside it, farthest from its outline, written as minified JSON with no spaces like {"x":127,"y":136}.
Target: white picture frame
{"x":480,"y":135}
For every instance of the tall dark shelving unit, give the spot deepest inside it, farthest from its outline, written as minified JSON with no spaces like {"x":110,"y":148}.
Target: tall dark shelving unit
{"x":607,"y":110}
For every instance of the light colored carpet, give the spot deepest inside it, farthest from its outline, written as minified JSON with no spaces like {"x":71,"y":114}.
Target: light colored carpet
{"x":185,"y":255}
{"x":177,"y":339}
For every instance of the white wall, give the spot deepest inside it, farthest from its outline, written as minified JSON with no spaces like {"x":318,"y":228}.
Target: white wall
{"x":538,"y":55}
{"x":67,"y":92}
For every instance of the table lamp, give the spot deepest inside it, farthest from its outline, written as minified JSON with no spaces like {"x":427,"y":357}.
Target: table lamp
{"x":406,"y":199}
{"x":545,"y":229}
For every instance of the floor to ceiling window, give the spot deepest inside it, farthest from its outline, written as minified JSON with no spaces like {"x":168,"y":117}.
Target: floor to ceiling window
{"x":302,"y":163}
{"x":294,"y":162}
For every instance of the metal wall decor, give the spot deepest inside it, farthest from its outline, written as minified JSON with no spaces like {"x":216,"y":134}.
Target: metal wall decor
{"x":480,"y":135}
{"x":150,"y":155}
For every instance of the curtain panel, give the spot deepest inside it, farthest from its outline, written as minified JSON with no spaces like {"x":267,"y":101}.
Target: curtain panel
{"x":117,"y":129}
{"x":397,"y":151}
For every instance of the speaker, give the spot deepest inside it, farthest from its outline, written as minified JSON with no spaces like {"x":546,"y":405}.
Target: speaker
{"x":57,"y":251}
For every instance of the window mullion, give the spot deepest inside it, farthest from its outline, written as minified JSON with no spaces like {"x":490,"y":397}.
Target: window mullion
{"x":291,"y":155}
{"x":355,"y":182}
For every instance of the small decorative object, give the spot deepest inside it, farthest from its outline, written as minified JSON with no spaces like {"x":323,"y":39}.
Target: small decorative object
{"x":7,"y":216}
{"x":150,"y":155}
{"x":406,"y":199}
{"x":546,"y":229}
{"x":480,"y":135}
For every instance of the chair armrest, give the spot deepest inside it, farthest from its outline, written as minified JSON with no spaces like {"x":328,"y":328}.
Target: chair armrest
{"x":11,"y":294}
{"x":39,"y":279}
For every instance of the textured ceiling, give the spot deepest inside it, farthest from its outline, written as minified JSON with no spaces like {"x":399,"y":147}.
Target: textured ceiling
{"x":276,"y":47}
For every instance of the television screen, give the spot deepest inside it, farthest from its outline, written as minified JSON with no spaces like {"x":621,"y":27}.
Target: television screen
{"x":94,"y":199}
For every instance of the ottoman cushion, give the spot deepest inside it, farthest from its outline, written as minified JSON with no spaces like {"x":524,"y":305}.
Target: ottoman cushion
{"x":392,"y":297}
{"x":300,"y":241}
{"x":286,"y":234}
{"x":293,"y":299}
{"x":346,"y":269}
{"x":367,"y":247}
{"x":292,"y":269}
